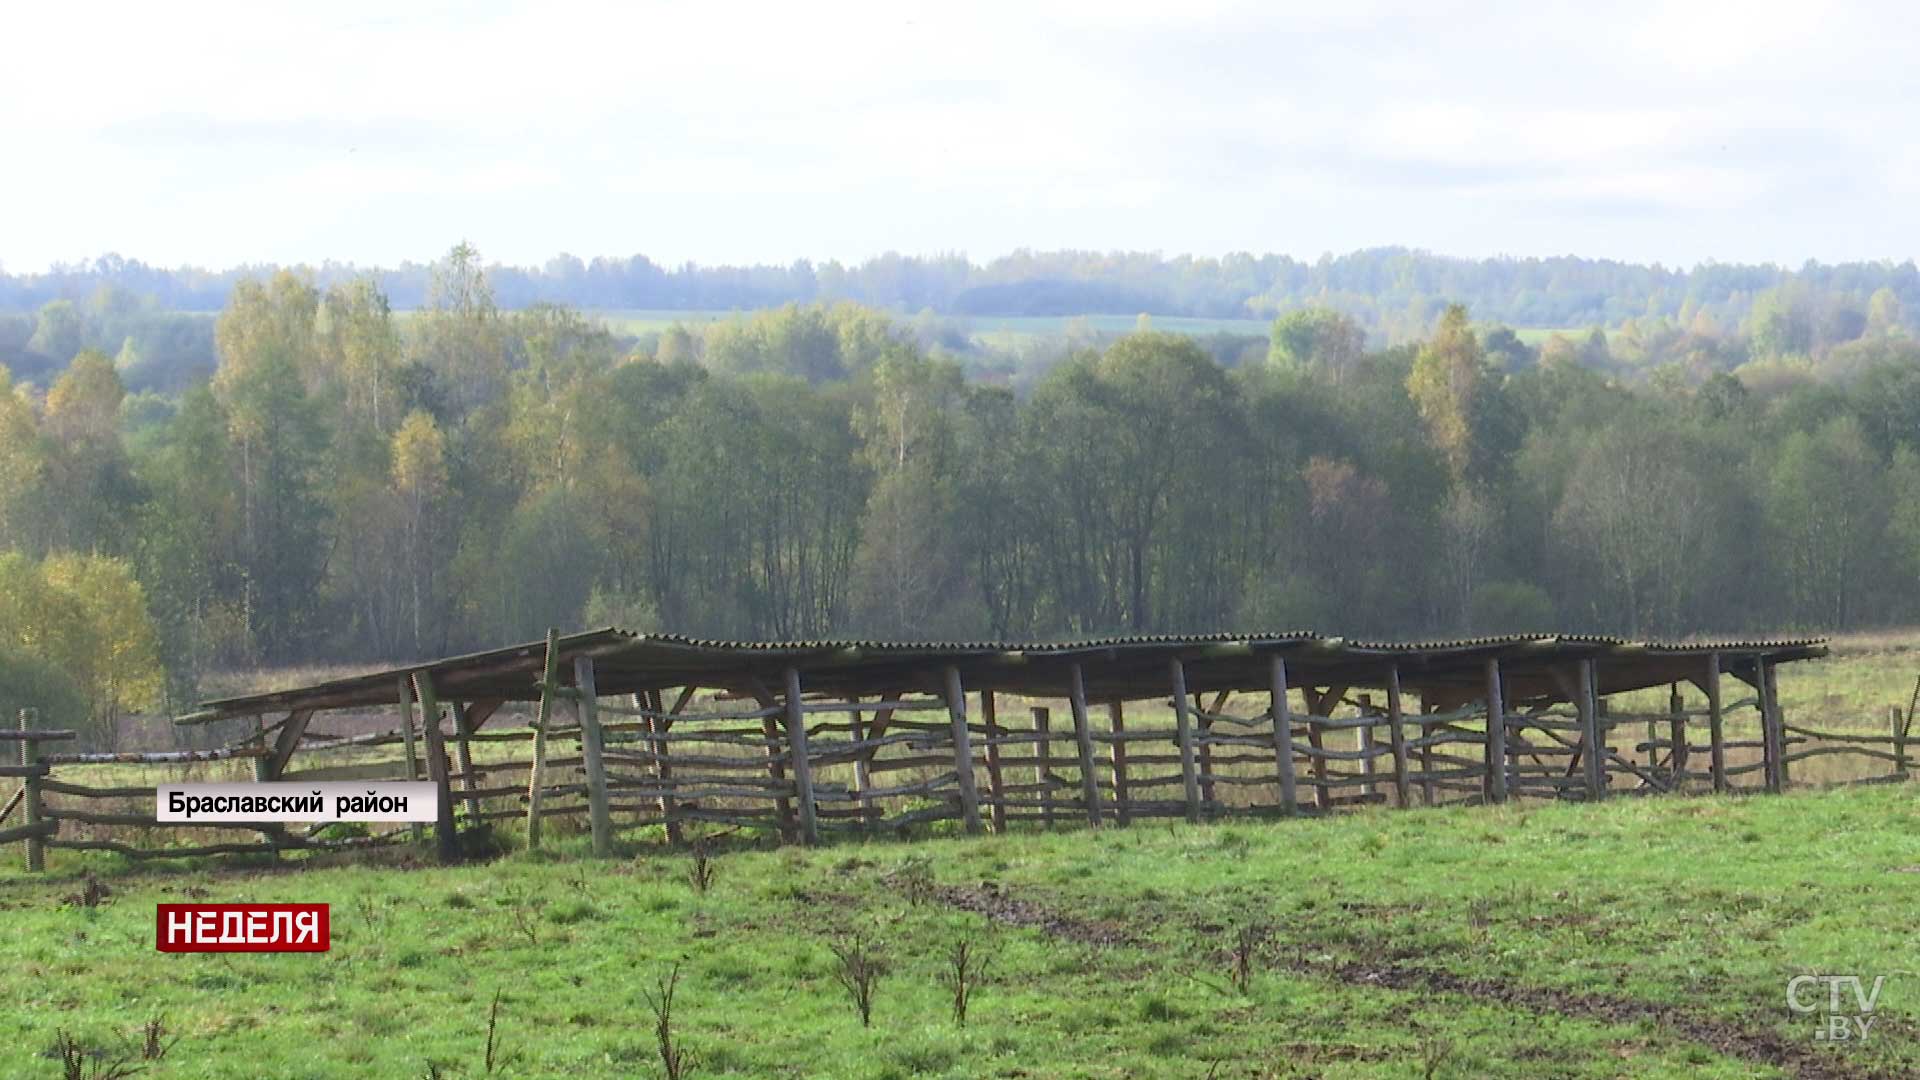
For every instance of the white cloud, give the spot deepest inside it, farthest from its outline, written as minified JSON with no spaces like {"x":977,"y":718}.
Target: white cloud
{"x":1675,"y":131}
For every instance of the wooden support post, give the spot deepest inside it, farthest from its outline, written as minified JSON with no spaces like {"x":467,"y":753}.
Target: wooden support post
{"x":1043,"y":753}
{"x":1397,"y":735}
{"x":464,"y":749}
{"x":1496,"y":734}
{"x":1089,"y":786}
{"x":445,"y":842}
{"x":30,"y":785}
{"x":962,"y":750}
{"x":1282,"y":734}
{"x":285,"y":743}
{"x":996,"y":793}
{"x":542,"y":719}
{"x":1677,"y":753}
{"x":1183,"y":731}
{"x":1716,"y":736}
{"x":592,"y":750}
{"x":862,"y":779}
{"x":1117,"y":762}
{"x":1772,"y":734}
{"x":802,"y":763}
{"x":658,"y":725}
{"x":1593,"y":759}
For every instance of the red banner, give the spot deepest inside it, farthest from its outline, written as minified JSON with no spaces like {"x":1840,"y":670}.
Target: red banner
{"x":241,"y":928}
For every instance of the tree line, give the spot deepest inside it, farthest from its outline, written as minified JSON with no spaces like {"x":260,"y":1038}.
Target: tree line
{"x":1396,"y":293}
{"x":349,"y":485}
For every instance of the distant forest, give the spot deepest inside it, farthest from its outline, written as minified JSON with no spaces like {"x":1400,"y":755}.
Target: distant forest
{"x":345,"y":482}
{"x":158,"y":323}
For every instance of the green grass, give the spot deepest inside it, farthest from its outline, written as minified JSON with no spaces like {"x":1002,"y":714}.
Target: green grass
{"x":1562,"y":929}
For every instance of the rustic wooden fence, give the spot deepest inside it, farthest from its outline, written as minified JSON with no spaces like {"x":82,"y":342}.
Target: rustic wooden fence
{"x":799,"y":765}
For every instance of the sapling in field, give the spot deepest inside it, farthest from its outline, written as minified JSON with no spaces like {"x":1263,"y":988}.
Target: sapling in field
{"x":673,"y":1058}
{"x":859,"y":971}
{"x":965,"y":970}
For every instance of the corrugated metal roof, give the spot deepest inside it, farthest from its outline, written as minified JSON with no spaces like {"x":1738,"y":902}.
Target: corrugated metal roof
{"x":1112,"y":666}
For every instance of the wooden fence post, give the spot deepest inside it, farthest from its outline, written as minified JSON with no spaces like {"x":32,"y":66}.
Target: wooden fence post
{"x":1716,"y":736}
{"x":1677,"y":754}
{"x":1043,"y":769}
{"x":404,"y":694}
{"x":1770,"y":719}
{"x":996,"y":790}
{"x":1496,"y":734}
{"x":658,"y":726}
{"x":1397,"y":735}
{"x":782,"y":804}
{"x":1363,"y":742}
{"x":1117,"y":762}
{"x":962,"y":750}
{"x":802,"y":764}
{"x":592,"y":748}
{"x":1428,"y":794}
{"x":1282,"y":734}
{"x":1590,"y":733}
{"x":30,"y":784}
{"x":1083,"y":734}
{"x":1900,"y":723}
{"x":446,"y":842}
{"x":1183,"y":732}
{"x":542,"y":719}
{"x":464,"y":749}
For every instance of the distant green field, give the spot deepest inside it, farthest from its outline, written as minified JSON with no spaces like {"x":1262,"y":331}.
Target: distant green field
{"x":999,"y":331}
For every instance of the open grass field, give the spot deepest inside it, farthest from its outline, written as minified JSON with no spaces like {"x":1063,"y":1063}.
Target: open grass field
{"x":999,"y":331}
{"x":1649,"y":937}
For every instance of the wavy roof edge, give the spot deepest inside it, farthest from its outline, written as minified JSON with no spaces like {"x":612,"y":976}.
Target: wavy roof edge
{"x":613,"y":642}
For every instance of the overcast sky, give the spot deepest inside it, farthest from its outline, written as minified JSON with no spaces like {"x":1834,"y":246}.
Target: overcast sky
{"x":220,"y":134}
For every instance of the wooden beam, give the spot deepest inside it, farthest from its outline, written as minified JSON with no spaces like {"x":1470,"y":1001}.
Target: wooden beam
{"x":962,"y":750}
{"x":802,"y":764}
{"x":1282,"y":734}
{"x":1496,"y":734}
{"x":1089,"y":786}
{"x":542,"y":720}
{"x":1183,"y":731}
{"x":1397,"y":736}
{"x":445,"y":842}
{"x":592,"y":749}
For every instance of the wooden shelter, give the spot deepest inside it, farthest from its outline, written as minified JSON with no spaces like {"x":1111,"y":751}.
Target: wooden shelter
{"x":799,"y":736}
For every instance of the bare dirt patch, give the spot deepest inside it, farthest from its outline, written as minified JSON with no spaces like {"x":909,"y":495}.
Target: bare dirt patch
{"x":996,"y":905}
